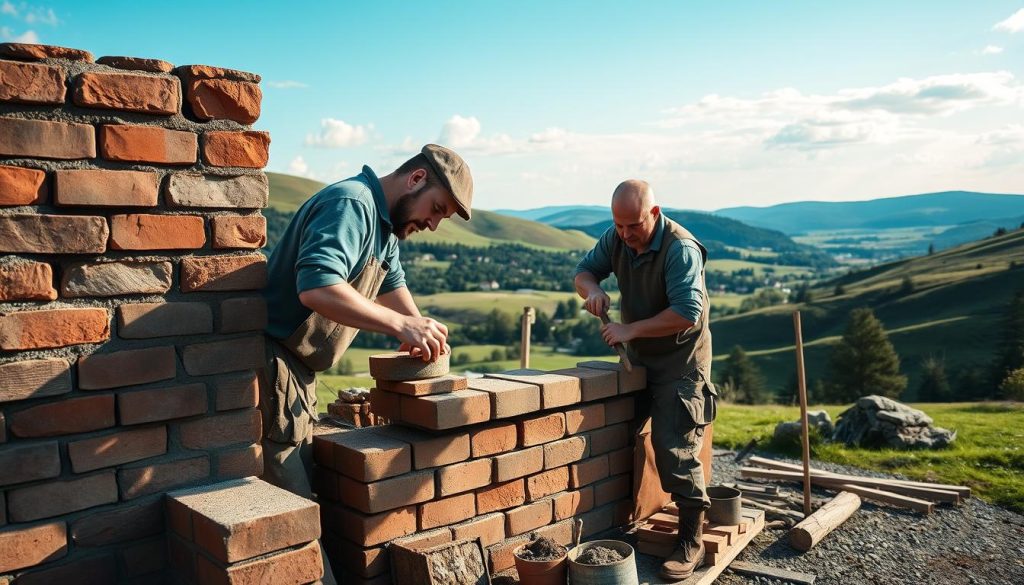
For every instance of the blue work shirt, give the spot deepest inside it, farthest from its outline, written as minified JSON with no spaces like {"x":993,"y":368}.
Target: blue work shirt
{"x":329,"y":241}
{"x":683,"y":266}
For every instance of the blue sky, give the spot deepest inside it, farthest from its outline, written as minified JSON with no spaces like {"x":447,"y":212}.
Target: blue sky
{"x":715,"y":103}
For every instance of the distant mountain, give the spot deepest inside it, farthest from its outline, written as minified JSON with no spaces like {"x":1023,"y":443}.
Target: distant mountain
{"x":974,"y":230}
{"x":929,"y":209}
{"x":539,"y":212}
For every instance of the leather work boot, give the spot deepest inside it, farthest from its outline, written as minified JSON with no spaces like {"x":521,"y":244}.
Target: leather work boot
{"x":689,"y":556}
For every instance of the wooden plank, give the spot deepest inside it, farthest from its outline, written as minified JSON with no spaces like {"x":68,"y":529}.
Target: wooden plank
{"x":889,"y":498}
{"x":835,"y":482}
{"x":772,"y":572}
{"x":715,"y":543}
{"x":664,"y":520}
{"x":707,"y":574}
{"x":960,"y":490}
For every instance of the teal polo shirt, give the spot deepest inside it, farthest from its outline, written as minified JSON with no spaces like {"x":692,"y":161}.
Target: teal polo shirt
{"x":329,"y":241}
{"x":683,"y":266}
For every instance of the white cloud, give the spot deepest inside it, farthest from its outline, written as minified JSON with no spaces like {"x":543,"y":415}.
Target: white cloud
{"x":8,"y":8}
{"x":1013,"y":24}
{"x":42,"y":16}
{"x":991,"y":50}
{"x":339,"y":134}
{"x":29,"y":36}
{"x":458,"y":132}
{"x":287,"y":84}
{"x":298,"y":166}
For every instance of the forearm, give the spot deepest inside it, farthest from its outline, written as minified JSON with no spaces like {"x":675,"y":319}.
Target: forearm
{"x":667,"y":322}
{"x":586,"y":284}
{"x":343,"y":304}
{"x":399,"y":300}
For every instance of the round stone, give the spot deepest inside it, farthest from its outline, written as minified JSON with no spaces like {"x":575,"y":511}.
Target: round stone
{"x":400,"y":367}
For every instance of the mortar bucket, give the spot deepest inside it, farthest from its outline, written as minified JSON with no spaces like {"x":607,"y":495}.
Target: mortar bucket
{"x":618,"y":573}
{"x":540,"y":572}
{"x":725,"y":505}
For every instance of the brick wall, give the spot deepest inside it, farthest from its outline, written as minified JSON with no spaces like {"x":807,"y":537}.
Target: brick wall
{"x":130,"y":318}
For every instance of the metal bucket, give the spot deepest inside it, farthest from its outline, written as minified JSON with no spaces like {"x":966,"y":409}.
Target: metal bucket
{"x":725,"y":505}
{"x":618,"y":573}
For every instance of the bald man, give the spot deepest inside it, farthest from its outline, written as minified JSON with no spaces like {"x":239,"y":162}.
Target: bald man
{"x":664,"y":304}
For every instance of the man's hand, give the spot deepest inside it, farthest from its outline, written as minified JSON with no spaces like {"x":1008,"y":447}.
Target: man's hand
{"x":597,"y":302}
{"x":425,"y":335}
{"x":416,"y":351}
{"x":613,"y":333}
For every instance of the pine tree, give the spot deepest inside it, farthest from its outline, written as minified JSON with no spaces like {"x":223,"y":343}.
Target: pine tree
{"x":1010,"y":351}
{"x":745,"y":378}
{"x":864,"y":362}
{"x":934,"y":383}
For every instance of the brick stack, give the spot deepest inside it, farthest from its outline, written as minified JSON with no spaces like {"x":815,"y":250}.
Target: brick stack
{"x":496,"y":457}
{"x":130,"y":316}
{"x":353,"y":409}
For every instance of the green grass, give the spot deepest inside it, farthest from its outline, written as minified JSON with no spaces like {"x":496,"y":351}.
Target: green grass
{"x":733,"y":300}
{"x":730,"y":265}
{"x":988,"y":454}
{"x":288,"y":192}
{"x":506,"y":301}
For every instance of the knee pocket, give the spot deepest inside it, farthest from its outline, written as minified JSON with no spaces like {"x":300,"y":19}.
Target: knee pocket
{"x":697,"y":405}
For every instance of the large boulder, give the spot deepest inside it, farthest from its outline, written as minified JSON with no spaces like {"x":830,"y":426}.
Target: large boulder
{"x":786,"y":432}
{"x":877,"y":421}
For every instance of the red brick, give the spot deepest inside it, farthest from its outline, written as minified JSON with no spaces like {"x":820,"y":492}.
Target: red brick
{"x":588,"y":471}
{"x":560,"y":532}
{"x":501,"y":496}
{"x":386,"y":404}
{"x":136,"y":64}
{"x":103,"y":188}
{"x":34,"y":52}
{"x":427,"y":539}
{"x":365,"y":562}
{"x":598,"y":519}
{"x":368,"y":530}
{"x":298,"y":565}
{"x":239,"y":463}
{"x":21,"y":186}
{"x":401,"y":365}
{"x":34,"y":379}
{"x":547,"y":483}
{"x":31,"y":83}
{"x":555,"y":390}
{"x":243,"y":314}
{"x":500,"y":555}
{"x":508,"y":398}
{"x":584,"y":418}
{"x":248,"y":149}
{"x":221,"y":357}
{"x":461,"y":477}
{"x":107,"y":279}
{"x":160,"y":477}
{"x":71,"y":415}
{"x":28,"y":546}
{"x":156,"y":232}
{"x":150,"y":144}
{"x":42,"y":139}
{"x":387,"y":494}
{"x":27,"y":281}
{"x":220,"y":99}
{"x":620,"y":461}
{"x":594,"y":384}
{"x":239,"y":231}
{"x":223,"y":273}
{"x":628,"y":382}
{"x":518,"y":463}
{"x":541,"y":429}
{"x":126,"y":368}
{"x":232,"y":428}
{"x":430,"y":450}
{"x":53,"y":234}
{"x":237,"y":391}
{"x":529,"y":517}
{"x":117,"y":448}
{"x":569,"y":504}
{"x":619,"y":410}
{"x":192,"y":72}
{"x":61,"y":497}
{"x":182,"y":559}
{"x":447,"y":511}
{"x":122,"y":524}
{"x":53,"y":328}
{"x":490,"y":528}
{"x":22,"y":462}
{"x":612,"y":489}
{"x":446,"y":411}
{"x":157,"y":404}
{"x":565,"y":451}
{"x":148,"y":94}
{"x":366,"y":454}
{"x":439,"y":385}
{"x":493,"y":439}
{"x":211,"y":191}
{"x":144,"y":558}
{"x":609,"y":439}
{"x":148,"y":320}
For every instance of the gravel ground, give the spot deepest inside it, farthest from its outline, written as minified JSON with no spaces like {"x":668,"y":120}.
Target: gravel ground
{"x":971,"y":543}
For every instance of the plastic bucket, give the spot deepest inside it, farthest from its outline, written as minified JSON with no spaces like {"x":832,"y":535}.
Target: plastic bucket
{"x":725,"y":505}
{"x":618,"y":573}
{"x":540,"y":572}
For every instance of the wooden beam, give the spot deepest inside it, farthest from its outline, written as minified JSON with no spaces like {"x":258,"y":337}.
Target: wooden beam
{"x":889,"y":498}
{"x":804,"y":430}
{"x":836,"y":483}
{"x":827,"y":518}
{"x":773,"y":573}
{"x":962,"y":491}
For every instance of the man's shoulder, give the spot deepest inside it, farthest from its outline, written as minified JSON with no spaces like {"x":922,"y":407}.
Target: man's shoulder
{"x":353,"y":189}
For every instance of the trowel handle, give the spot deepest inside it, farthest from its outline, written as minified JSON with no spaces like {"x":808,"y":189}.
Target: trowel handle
{"x":619,"y":347}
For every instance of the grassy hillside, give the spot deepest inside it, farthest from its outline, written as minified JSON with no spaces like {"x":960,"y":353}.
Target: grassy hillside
{"x":954,"y":312}
{"x":288,"y":192}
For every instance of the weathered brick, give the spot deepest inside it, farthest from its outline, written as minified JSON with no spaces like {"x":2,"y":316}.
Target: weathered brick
{"x":126,"y":368}
{"x":612,"y":489}
{"x":500,"y":556}
{"x":34,"y":52}
{"x":144,"y":558}
{"x":28,"y":546}
{"x":248,"y":149}
{"x":150,"y":479}
{"x":31,"y":83}
{"x":493,"y":439}
{"x":239,"y":231}
{"x":368,"y":530}
{"x":547,"y":483}
{"x":34,"y":379}
{"x":150,"y":144}
{"x":395,"y":492}
{"x":594,"y":384}
{"x":219,"y":357}
{"x":500,"y":496}
{"x":70,"y":415}
{"x":148,"y":320}
{"x":103,"y":188}
{"x":223,"y":273}
{"x":365,"y":454}
{"x":609,"y":439}
{"x":430,"y":450}
{"x":447,"y":411}
{"x":210,"y":191}
{"x":465,"y":476}
{"x":243,"y":314}
{"x":297,"y":565}
{"x":136,"y":231}
{"x":628,"y":382}
{"x":490,"y":528}
{"x":136,"y":64}
{"x":42,"y":139}
{"x":232,"y":428}
{"x":560,"y":532}
{"x":518,"y":463}
{"x":425,"y":539}
{"x":107,"y":279}
{"x":619,"y":410}
{"x":26,"y":281}
{"x":386,"y":404}
{"x":584,"y":418}
{"x":117,"y":448}
{"x":148,"y":94}
{"x":569,"y":504}
{"x":588,"y":471}
{"x":508,"y":398}
{"x":53,"y":328}
{"x":21,"y":186}
{"x":541,"y":429}
{"x":89,"y":571}
{"x":21,"y":462}
{"x":447,"y":511}
{"x":53,"y":234}
{"x":142,"y":406}
{"x":598,"y":519}
{"x":555,"y":390}
{"x":565,"y":451}
{"x":620,"y":461}
{"x":181,"y":556}
{"x":528,"y":517}
{"x":240,"y":463}
{"x":363,"y":561}
{"x":122,"y":524}
{"x":61,"y":497}
{"x":193,"y":72}
{"x":237,"y":391}
{"x":439,"y":385}
{"x":224,"y":99}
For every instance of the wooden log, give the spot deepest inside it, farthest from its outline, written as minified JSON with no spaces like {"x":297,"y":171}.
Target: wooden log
{"x":827,"y":518}
{"x":774,"y":512}
{"x":889,"y":498}
{"x":773,"y":573}
{"x":836,"y":483}
{"x":960,"y":490}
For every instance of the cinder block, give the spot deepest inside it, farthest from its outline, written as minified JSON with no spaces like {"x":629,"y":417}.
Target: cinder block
{"x":508,"y":398}
{"x":368,"y":530}
{"x":430,"y":450}
{"x":572,"y":503}
{"x":628,"y":381}
{"x":584,"y":418}
{"x":465,"y":476}
{"x":387,"y":494}
{"x":565,"y":451}
{"x":555,"y":390}
{"x":547,"y":483}
{"x":526,"y":518}
{"x":594,"y":384}
{"x":609,"y":439}
{"x":439,"y":385}
{"x":520,"y":463}
{"x":490,"y":528}
{"x":28,"y":546}
{"x":447,"y":511}
{"x":541,"y":429}
{"x":493,"y":439}
{"x":363,"y":454}
{"x":500,"y":496}
{"x":588,"y":471}
{"x":446,"y":411}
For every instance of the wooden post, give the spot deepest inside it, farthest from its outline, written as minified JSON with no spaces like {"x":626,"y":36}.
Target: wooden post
{"x":524,"y":347}
{"x":802,"y":387}
{"x":813,"y":528}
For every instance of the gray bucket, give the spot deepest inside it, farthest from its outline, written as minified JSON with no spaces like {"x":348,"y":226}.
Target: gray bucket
{"x":618,"y":573}
{"x":725,"y":505}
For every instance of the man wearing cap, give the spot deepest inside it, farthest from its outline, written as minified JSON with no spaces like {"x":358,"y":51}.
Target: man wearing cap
{"x":664,"y":305}
{"x":336,"y":271}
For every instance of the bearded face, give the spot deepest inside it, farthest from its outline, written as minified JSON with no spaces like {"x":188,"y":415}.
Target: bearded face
{"x":403,"y":216}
